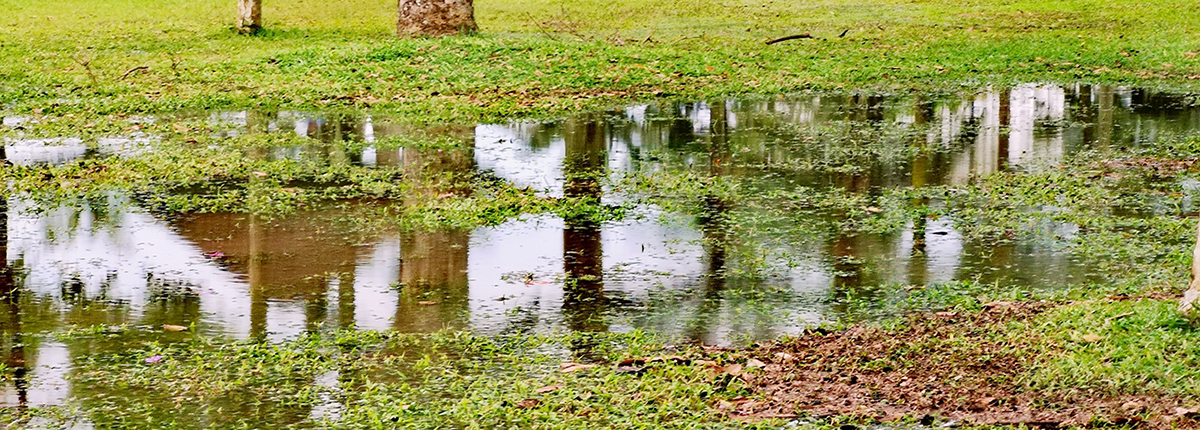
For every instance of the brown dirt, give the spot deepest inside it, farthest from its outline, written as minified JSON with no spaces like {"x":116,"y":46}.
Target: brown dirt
{"x":948,"y":365}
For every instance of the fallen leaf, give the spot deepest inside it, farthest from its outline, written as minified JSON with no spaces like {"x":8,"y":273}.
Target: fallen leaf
{"x":1091,"y":338}
{"x":774,"y":415}
{"x":426,"y":303}
{"x":783,"y":356}
{"x":175,"y":328}
{"x":732,"y":369}
{"x":154,"y":359}
{"x":547,"y":389}
{"x":754,"y":363}
{"x":676,"y":359}
{"x":1187,"y":412}
{"x":261,"y":174}
{"x":574,"y":367}
{"x":528,"y":403}
{"x":630,"y":370}
{"x":1133,"y":406}
{"x":997,"y":305}
{"x":946,"y":314}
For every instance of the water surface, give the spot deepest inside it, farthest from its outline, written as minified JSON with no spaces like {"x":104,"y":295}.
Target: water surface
{"x":109,"y":261}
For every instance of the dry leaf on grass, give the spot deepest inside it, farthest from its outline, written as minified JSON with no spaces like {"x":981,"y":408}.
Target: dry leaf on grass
{"x":732,"y":369}
{"x":574,"y":367}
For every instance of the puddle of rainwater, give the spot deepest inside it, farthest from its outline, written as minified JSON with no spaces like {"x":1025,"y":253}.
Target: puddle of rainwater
{"x":110,"y":262}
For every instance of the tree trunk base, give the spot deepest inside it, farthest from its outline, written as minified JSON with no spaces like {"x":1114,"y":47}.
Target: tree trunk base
{"x":1187,"y":305}
{"x":249,"y":17}
{"x":435,"y":18}
{"x":248,"y":29}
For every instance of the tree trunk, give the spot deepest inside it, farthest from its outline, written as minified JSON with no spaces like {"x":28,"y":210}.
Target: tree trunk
{"x":435,"y":18}
{"x":1187,"y":305}
{"x":249,"y":18}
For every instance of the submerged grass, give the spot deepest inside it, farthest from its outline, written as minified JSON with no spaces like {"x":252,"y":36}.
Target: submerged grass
{"x":436,"y":186}
{"x":389,"y":380}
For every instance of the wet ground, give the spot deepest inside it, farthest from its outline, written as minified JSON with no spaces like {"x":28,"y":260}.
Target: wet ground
{"x":111,"y":262}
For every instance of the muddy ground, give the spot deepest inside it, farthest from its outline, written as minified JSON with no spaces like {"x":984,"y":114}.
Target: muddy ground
{"x":944,"y":367}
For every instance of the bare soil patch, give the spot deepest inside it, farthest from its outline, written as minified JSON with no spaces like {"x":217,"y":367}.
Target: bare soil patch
{"x":967,"y":367}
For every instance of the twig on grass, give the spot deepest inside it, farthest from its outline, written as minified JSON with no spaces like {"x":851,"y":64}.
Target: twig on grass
{"x":131,"y":71}
{"x":792,"y":37}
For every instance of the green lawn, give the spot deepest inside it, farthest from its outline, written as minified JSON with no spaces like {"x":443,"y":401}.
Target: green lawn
{"x":537,"y":57}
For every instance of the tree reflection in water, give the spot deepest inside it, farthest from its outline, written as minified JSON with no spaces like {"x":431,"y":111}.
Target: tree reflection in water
{"x":10,"y":298}
{"x":434,"y":262}
{"x":584,"y":300}
{"x":712,"y":220}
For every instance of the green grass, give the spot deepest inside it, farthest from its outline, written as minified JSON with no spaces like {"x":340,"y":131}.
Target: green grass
{"x":542,"y":57}
{"x":1140,"y":347}
{"x":389,"y":380}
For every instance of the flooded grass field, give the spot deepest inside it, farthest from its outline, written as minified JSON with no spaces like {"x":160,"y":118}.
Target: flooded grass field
{"x":663,"y":241}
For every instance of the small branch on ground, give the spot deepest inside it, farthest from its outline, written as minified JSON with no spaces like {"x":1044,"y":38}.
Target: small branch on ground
{"x":615,"y":38}
{"x":540,"y":28}
{"x":569,"y":26}
{"x":1117,"y":317}
{"x":683,"y":39}
{"x":87,"y":68}
{"x":650,"y":37}
{"x":132,"y":71}
{"x":792,"y":37}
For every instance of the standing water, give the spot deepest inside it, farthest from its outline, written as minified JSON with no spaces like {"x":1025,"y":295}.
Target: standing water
{"x":108,"y":262}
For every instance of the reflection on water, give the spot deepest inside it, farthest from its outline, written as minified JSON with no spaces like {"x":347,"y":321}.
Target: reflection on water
{"x":106,"y":261}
